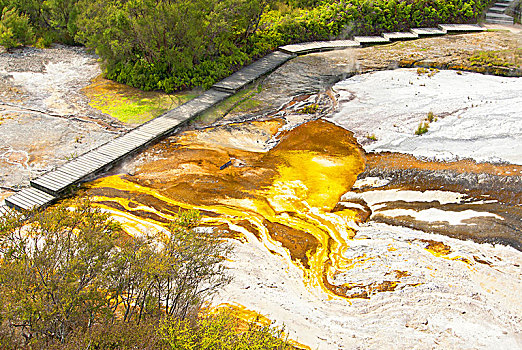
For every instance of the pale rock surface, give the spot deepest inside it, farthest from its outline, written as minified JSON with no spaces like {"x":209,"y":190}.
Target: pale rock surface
{"x":478,"y":116}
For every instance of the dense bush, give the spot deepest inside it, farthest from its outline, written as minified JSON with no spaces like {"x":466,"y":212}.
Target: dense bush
{"x":176,"y":45}
{"x":73,"y":279}
{"x":62,"y":270}
{"x":51,"y":20}
{"x":15,"y":29}
{"x":221,"y":332}
{"x":221,"y":41}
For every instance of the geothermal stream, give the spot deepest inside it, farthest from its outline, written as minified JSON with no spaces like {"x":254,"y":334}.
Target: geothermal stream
{"x":350,"y":230}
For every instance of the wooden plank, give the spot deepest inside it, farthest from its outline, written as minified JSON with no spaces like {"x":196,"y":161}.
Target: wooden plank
{"x":427,"y":31}
{"x":150,"y":136}
{"x":5,"y":210}
{"x":117,"y":150}
{"x":40,"y":194}
{"x":196,"y":106}
{"x":161,"y":125}
{"x":54,"y":179}
{"x":18,"y":203}
{"x":400,"y":36}
{"x":370,"y":40}
{"x":77,"y":171}
{"x":99,"y":157}
{"x":83,"y":165}
{"x":134,"y":136}
{"x":113,"y":148}
{"x":31,"y":198}
{"x":59,"y":176}
{"x":28,"y":199}
{"x":461,"y":28}
{"x":304,"y":48}
{"x":49,"y":186}
{"x":52,"y":187}
{"x":250,"y":73}
{"x":83,"y":162}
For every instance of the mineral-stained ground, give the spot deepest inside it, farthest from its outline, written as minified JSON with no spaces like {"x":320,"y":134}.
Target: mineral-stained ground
{"x":351,"y":229}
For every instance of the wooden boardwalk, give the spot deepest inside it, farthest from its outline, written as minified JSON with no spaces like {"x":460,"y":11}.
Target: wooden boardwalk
{"x":49,"y":187}
{"x":249,"y":74}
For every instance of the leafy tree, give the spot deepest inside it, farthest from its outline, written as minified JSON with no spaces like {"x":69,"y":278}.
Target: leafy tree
{"x":15,"y":29}
{"x":65,"y":269}
{"x":52,"y":270}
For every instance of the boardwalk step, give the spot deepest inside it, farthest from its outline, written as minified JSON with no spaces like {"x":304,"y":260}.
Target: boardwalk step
{"x":400,"y":36}
{"x":252,"y":72}
{"x":498,"y":16}
{"x":198,"y":105}
{"x":370,"y":40}
{"x":461,"y":28}
{"x":500,"y":21}
{"x":303,"y":48}
{"x":427,"y":31}
{"x":28,"y":199}
{"x":4,"y":210}
{"x":497,"y":9}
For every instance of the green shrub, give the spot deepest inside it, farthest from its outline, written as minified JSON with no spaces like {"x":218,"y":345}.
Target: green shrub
{"x":63,"y":270}
{"x":15,"y":29}
{"x":177,"y":45}
{"x":215,"y":41}
{"x":221,"y":332}
{"x":422,"y":128}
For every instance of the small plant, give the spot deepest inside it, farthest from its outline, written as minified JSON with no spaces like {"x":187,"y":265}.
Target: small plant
{"x":431,"y":117}
{"x":310,"y":109}
{"x":371,"y":137}
{"x":422,"y":71}
{"x":431,"y":72}
{"x":423,"y":128}
{"x":71,"y":156}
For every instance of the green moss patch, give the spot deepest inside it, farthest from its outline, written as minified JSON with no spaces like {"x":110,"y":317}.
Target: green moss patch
{"x":131,"y":105}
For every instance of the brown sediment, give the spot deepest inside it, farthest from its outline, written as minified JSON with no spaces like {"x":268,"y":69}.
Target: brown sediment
{"x":298,"y":242}
{"x":490,"y":188}
{"x":247,"y":225}
{"x":139,"y":213}
{"x":390,"y":160}
{"x":400,"y":274}
{"x":362,"y":214}
{"x":361,"y":291}
{"x":436,"y":248}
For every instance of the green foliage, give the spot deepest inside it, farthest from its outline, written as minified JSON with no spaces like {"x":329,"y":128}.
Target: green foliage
{"x":52,"y":20}
{"x":15,"y":29}
{"x":53,"y":269}
{"x":169,"y":45}
{"x":422,"y":128}
{"x":66,"y":269}
{"x":309,"y":109}
{"x":177,"y":45}
{"x":220,"y":332}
